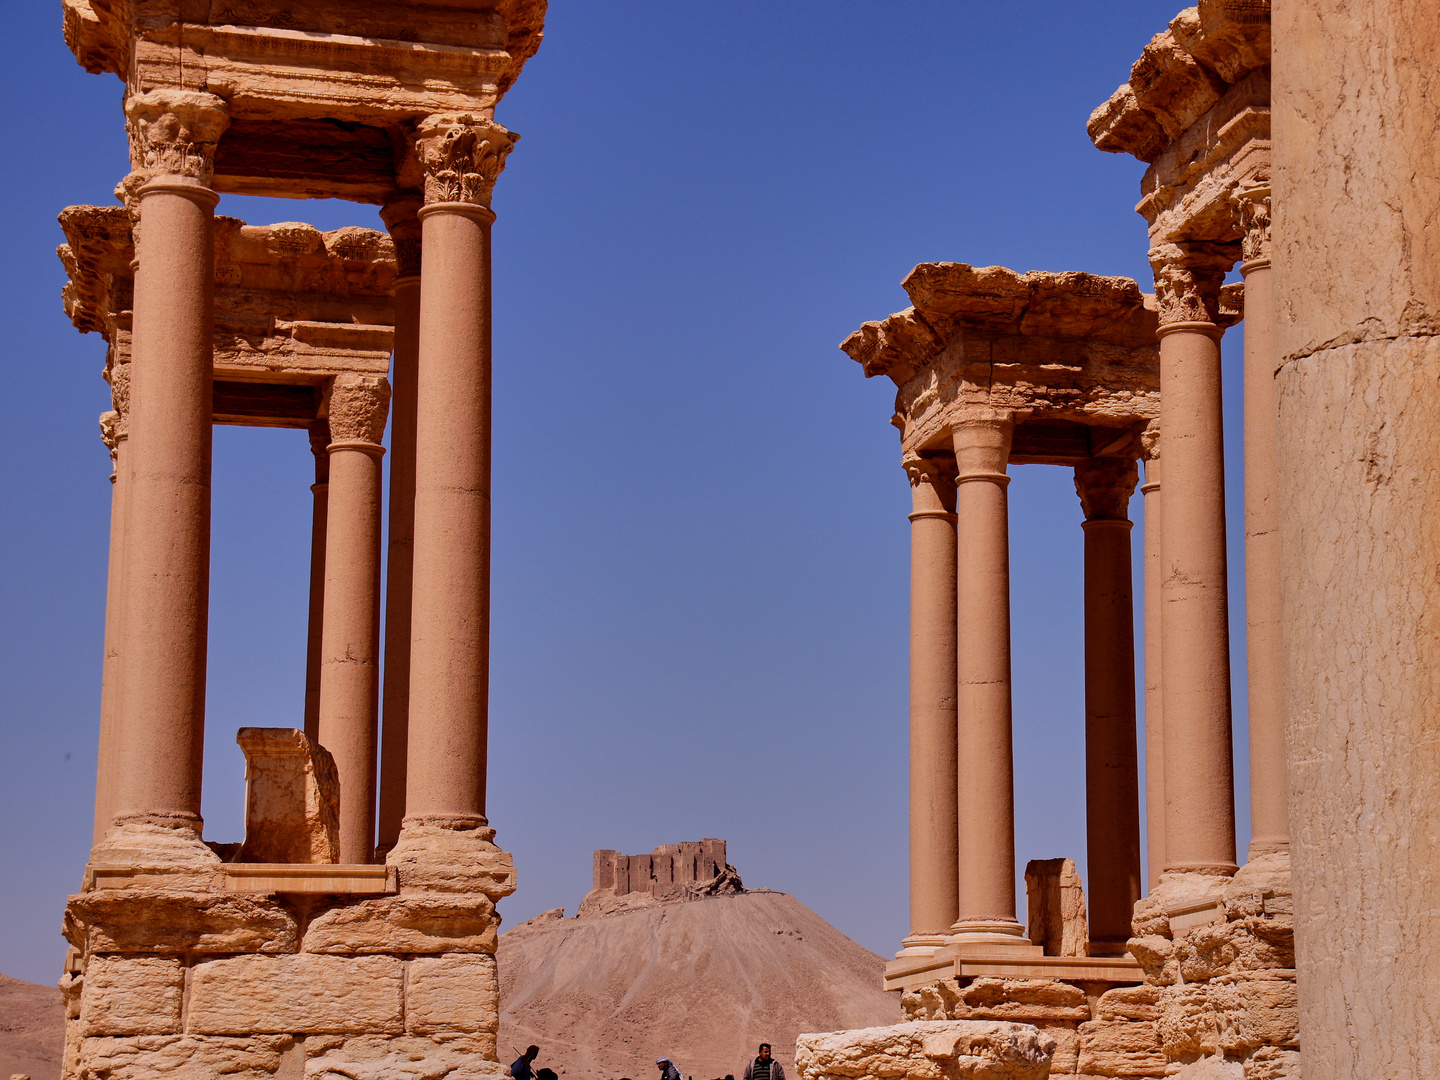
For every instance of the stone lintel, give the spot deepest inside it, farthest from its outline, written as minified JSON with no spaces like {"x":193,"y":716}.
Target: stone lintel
{"x":1188,"y":193}
{"x":911,"y":973}
{"x":294,"y":307}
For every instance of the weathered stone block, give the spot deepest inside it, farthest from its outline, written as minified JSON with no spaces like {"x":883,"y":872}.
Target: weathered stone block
{"x":1156,"y":956}
{"x":374,"y":1057}
{"x":301,"y":994}
{"x":928,"y":1050}
{"x":132,"y":996}
{"x":157,"y":921}
{"x":432,"y":858}
{"x":1023,"y":1000}
{"x":1129,"y":1003}
{"x":1269,"y":1010}
{"x":153,"y":1057}
{"x":292,"y":798}
{"x":935,"y":1001}
{"x":1067,"y":1047}
{"x":1207,"y":951}
{"x":1121,"y":1048}
{"x":1271,"y":1063}
{"x":452,"y":994}
{"x":444,"y":923}
{"x":1055,"y":903}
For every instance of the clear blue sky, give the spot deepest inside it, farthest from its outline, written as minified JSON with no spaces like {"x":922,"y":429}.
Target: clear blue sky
{"x":700,"y":542}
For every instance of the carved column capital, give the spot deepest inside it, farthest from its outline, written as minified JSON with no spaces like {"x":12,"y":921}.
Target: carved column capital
{"x":929,"y":470}
{"x":400,"y":219}
{"x":1188,"y":278}
{"x":359,"y":405}
{"x":1150,"y":441}
{"x":1105,"y":486}
{"x":981,"y":437}
{"x":1253,"y":205}
{"x":319,"y":432}
{"x":174,"y":133}
{"x":112,"y":430}
{"x":462,"y":156}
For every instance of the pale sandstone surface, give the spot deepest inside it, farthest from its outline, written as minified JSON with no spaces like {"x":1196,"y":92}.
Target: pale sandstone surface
{"x":1057,"y":1009}
{"x":1055,"y":903}
{"x":1357,"y":278}
{"x":300,"y":994}
{"x":376,"y":1057}
{"x":406,"y":924}
{"x":158,"y":921}
{"x":161,"y":1057}
{"x":709,"y":979}
{"x":292,"y":798}
{"x":455,"y":994}
{"x":32,"y":1029}
{"x":132,"y":996}
{"x":927,"y":1050}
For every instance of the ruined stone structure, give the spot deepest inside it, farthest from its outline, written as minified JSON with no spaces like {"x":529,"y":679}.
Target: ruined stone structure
{"x":327,"y":944}
{"x":994,"y":367}
{"x":667,"y":873}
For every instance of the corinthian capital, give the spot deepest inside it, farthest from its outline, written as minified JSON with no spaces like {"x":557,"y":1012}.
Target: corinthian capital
{"x":1253,"y":204}
{"x":1105,"y":486}
{"x":1188,"y":277}
{"x":462,"y":156}
{"x":175,"y":132}
{"x":358,"y":407}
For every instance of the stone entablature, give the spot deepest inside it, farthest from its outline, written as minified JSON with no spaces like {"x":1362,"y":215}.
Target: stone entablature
{"x":1072,"y":355}
{"x":295,"y":308}
{"x":287,"y":71}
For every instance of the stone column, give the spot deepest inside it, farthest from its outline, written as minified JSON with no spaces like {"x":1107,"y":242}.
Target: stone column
{"x":1269,"y":809}
{"x":113,"y":431}
{"x":1112,"y":781}
{"x":986,"y":791}
{"x":934,"y":860}
{"x":1194,"y":629}
{"x":1357,"y":302}
{"x":320,"y":492}
{"x":167,"y":552}
{"x":400,"y":217}
{"x":450,"y":609}
{"x":350,"y":642}
{"x":1154,"y":706}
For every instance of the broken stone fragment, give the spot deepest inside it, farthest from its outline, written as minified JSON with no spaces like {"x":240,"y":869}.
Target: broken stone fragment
{"x":928,"y":1050}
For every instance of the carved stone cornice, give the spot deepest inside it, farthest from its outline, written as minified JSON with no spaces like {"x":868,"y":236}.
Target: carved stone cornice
{"x":118,"y":376}
{"x":1188,"y":279}
{"x":112,"y":430}
{"x":175,"y":133}
{"x":462,"y":156}
{"x":359,"y":405}
{"x":1105,"y":486}
{"x":1253,"y":205}
{"x":400,"y":219}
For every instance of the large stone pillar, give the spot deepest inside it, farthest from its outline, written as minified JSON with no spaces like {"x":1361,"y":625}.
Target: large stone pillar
{"x":450,"y":610}
{"x":1269,"y":804}
{"x":1112,"y":782}
{"x":1154,"y":706}
{"x":167,"y":550}
{"x":350,"y":641}
{"x":319,"y":507}
{"x":1357,"y":301}
{"x":1195,"y":637}
{"x":400,"y":217}
{"x":986,"y":790}
{"x":934,"y":858}
{"x":113,"y":431}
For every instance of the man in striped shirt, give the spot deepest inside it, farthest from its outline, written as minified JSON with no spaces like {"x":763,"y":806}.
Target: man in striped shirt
{"x":764,"y":1067}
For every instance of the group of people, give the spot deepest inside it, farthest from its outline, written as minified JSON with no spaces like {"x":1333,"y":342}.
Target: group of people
{"x":763,"y":1067}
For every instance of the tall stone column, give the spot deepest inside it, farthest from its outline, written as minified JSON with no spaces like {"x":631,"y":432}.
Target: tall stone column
{"x":350,"y":641}
{"x":934,"y":859}
{"x":1154,"y":706}
{"x":986,"y":790}
{"x":167,"y":552}
{"x":450,"y":609}
{"x":320,"y":495}
{"x":1357,"y":302}
{"x":1269,"y":803}
{"x":1194,"y":629}
{"x":113,"y":431}
{"x":1112,"y":780}
{"x":400,"y":217}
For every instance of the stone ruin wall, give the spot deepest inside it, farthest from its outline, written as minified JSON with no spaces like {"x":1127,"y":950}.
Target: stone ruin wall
{"x":670,"y":872}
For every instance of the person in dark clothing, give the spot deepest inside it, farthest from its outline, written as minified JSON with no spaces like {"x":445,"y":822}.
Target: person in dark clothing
{"x":764,"y":1067}
{"x":521,"y":1069}
{"x":668,"y":1069}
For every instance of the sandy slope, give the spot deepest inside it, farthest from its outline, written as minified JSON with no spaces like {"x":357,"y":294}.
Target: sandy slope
{"x":32,"y":1029}
{"x":703,"y":982}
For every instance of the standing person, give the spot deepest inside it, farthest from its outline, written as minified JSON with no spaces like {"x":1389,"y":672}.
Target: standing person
{"x":521,"y":1069}
{"x":668,"y":1070}
{"x":764,"y":1067}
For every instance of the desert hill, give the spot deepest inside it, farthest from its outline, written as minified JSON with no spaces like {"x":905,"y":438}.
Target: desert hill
{"x":702,"y":981}
{"x":32,"y":1029}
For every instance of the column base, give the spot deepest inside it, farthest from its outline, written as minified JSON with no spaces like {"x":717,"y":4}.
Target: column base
{"x":444,"y":853}
{"x":1107,"y":947}
{"x":989,"y":937}
{"x":921,"y":945}
{"x":155,"y":850}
